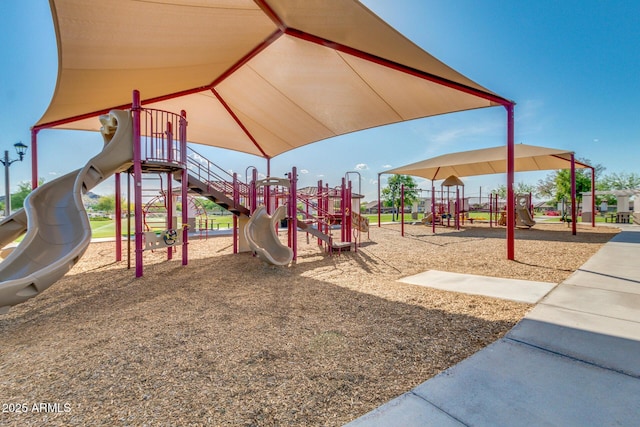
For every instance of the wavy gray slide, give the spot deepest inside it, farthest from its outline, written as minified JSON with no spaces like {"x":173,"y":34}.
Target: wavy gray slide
{"x":57,"y":225}
{"x":263,"y":240}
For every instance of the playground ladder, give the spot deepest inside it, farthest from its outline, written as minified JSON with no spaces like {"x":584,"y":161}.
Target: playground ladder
{"x":154,"y":198}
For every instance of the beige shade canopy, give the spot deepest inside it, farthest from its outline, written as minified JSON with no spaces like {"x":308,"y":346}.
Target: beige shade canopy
{"x":488,"y":161}
{"x":261,"y":77}
{"x":452,"y":181}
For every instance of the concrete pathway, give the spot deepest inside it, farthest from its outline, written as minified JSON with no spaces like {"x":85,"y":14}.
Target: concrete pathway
{"x":574,"y":360}
{"x":526,"y":291}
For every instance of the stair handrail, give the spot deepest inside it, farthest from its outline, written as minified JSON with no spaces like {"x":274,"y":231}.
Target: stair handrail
{"x":213,"y":175}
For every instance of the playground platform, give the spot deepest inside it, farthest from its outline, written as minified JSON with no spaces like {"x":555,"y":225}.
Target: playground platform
{"x":572,"y":361}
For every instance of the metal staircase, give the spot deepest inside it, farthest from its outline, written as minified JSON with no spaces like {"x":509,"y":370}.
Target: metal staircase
{"x":319,"y":225}
{"x":209,"y":180}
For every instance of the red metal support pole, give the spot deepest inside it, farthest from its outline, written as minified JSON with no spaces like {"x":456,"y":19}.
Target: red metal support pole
{"x":511,"y":223}
{"x":137,"y":181}
{"x":573,"y":195}
{"x":457,"y":208}
{"x":343,"y":206}
{"x":185,"y":188}
{"x":379,"y":202}
{"x":349,"y":211}
{"x":169,"y":195}
{"x":593,"y":197}
{"x":433,"y":208}
{"x":293,"y":220}
{"x":235,"y":217}
{"x":267,"y":189}
{"x":402,"y":210}
{"x":254,"y":190}
{"x":491,"y":210}
{"x":34,"y":159}
{"x":320,"y":211}
{"x":118,"y":217}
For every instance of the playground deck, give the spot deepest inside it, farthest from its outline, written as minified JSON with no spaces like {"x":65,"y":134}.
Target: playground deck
{"x":231,"y":340}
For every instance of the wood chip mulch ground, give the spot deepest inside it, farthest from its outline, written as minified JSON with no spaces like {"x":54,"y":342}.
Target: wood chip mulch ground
{"x":231,"y":341}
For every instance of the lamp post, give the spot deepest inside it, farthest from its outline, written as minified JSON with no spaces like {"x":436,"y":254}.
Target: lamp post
{"x":21,"y":149}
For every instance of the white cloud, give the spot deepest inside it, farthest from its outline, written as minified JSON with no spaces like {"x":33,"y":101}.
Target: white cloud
{"x":362,"y":166}
{"x":386,"y":166}
{"x":303,"y":171}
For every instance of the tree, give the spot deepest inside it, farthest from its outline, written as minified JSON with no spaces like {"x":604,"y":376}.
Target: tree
{"x":210,"y":205}
{"x":106,"y":204}
{"x":24,"y":188}
{"x":518,"y":188}
{"x":391,"y":193}
{"x":619,"y":181}
{"x":616,"y":181}
{"x":556,"y":186}
{"x":563,"y":184}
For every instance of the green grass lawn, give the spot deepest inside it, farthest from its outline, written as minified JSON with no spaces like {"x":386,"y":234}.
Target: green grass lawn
{"x":107,"y":228}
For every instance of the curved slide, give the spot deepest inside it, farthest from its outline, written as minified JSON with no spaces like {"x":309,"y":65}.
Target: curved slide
{"x":261,"y":235}
{"x":523,"y":217}
{"x":58,"y":231}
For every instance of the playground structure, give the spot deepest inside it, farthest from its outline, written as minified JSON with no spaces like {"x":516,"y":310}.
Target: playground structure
{"x":454,"y":211}
{"x":488,"y":161}
{"x":145,"y":144}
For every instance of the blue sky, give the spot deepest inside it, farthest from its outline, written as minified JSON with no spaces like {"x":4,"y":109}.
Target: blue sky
{"x":571,"y":66}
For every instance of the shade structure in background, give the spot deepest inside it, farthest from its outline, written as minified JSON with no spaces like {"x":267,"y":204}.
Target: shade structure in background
{"x":487,"y":161}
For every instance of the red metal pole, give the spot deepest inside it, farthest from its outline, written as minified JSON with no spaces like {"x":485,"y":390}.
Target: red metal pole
{"x":34,"y":159}
{"x":593,"y":197}
{"x":267,"y":189}
{"x":573,"y":195}
{"x":457,"y":208}
{"x":185,"y":188}
{"x":254,"y":190}
{"x":510,"y":177}
{"x":293,"y":220}
{"x":379,"y":204}
{"x":349,"y":211}
{"x":326,"y":199}
{"x":402,"y":210}
{"x":320,"y":204}
{"x":169,"y":195}
{"x":343,"y":208}
{"x":490,"y":210}
{"x":118,"y":218}
{"x":433,"y":208}
{"x":235,"y":217}
{"x":137,"y":181}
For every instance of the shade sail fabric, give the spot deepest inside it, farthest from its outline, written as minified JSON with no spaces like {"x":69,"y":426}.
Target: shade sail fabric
{"x":452,"y":181}
{"x":488,"y":161}
{"x":261,"y":77}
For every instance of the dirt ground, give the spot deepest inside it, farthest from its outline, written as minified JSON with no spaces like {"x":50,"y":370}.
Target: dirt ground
{"x":231,"y":341}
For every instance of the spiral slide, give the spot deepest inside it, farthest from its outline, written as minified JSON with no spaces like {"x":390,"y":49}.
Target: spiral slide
{"x":55,"y":220}
{"x":263,"y":240}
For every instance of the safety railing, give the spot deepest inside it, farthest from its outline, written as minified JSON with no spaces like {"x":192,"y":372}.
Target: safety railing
{"x":161,"y":131}
{"x":216,"y":178}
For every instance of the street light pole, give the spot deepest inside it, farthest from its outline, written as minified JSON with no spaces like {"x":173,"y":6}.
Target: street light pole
{"x":21,"y":149}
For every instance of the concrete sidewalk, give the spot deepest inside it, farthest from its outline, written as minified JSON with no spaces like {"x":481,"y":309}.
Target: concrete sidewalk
{"x":574,"y":360}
